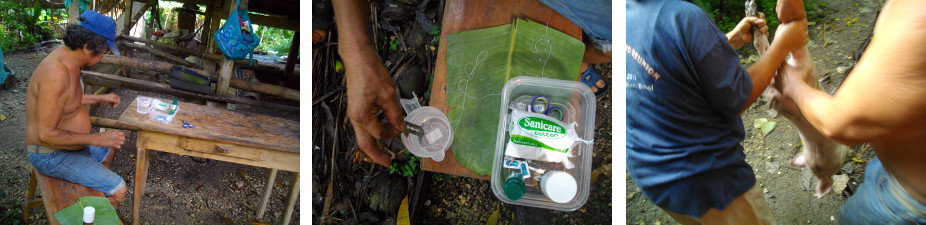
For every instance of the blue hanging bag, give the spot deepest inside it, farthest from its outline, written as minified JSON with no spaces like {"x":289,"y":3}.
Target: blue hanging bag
{"x":236,"y":37}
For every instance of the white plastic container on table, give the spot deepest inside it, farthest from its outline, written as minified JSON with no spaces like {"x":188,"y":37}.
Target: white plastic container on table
{"x":577,"y":102}
{"x":160,"y":114}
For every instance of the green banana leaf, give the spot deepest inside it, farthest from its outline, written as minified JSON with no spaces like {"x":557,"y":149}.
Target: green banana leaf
{"x":479,"y":62}
{"x":74,"y":214}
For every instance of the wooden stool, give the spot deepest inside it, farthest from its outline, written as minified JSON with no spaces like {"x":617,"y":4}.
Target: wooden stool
{"x":56,"y":194}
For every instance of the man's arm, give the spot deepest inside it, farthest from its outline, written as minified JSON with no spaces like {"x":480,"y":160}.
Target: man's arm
{"x":52,"y":94}
{"x":369,"y":86}
{"x":111,"y":99}
{"x":790,"y":36}
{"x":883,"y":96}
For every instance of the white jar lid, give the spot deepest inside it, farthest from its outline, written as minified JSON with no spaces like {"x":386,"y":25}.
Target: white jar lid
{"x":559,"y":186}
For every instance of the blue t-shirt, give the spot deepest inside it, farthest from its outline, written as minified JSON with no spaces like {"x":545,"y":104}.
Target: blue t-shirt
{"x":685,"y":88}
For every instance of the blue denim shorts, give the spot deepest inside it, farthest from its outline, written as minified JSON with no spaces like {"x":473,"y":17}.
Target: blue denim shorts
{"x":594,"y":17}
{"x":79,"y":166}
{"x":881,"y":200}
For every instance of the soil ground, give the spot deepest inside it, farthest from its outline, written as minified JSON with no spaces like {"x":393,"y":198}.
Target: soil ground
{"x":837,"y":33}
{"x":179,"y":189}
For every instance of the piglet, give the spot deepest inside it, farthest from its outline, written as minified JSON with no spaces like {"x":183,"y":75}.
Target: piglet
{"x":822,"y":155}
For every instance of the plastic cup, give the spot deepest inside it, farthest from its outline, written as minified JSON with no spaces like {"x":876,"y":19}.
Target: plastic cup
{"x":144,"y":105}
{"x":436,"y":133}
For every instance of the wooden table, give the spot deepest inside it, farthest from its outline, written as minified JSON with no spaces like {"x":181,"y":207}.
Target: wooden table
{"x":236,"y":137}
{"x":471,"y":15}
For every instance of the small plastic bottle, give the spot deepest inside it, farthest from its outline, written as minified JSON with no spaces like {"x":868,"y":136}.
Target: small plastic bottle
{"x":514,"y":186}
{"x":89,"y":213}
{"x":173,"y":107}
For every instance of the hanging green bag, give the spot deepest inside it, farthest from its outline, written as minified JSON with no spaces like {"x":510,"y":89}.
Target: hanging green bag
{"x":236,"y":37}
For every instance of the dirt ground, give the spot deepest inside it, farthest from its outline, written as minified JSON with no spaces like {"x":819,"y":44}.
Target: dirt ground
{"x":179,"y":189}
{"x":837,"y":33}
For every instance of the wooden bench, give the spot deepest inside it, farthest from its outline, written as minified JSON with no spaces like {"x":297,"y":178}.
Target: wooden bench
{"x":56,"y":194}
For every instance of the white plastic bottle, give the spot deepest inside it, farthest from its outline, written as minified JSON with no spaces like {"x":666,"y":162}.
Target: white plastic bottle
{"x":89,"y":214}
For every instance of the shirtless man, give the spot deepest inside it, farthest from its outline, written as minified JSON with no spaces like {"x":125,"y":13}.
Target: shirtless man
{"x":880,"y":102}
{"x":58,"y":126}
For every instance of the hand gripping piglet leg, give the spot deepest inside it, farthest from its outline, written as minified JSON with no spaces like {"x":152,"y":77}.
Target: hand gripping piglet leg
{"x":823,"y":156}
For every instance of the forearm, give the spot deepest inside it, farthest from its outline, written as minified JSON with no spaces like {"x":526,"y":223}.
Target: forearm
{"x":762,"y":72}
{"x":735,"y":40}
{"x":823,"y":112}
{"x":67,"y":139}
{"x":352,"y":22}
{"x":91,"y":99}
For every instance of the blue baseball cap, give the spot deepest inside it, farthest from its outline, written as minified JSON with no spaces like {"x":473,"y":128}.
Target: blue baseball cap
{"x":101,"y":25}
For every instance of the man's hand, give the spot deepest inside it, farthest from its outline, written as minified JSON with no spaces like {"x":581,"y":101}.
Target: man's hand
{"x":742,"y":33}
{"x":111,"y":139}
{"x":369,"y":90}
{"x":110,"y":99}
{"x":791,"y":36}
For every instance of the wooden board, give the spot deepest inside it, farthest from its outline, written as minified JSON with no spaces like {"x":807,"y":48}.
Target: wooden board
{"x":222,"y":125}
{"x":469,"y":15}
{"x":59,"y":194}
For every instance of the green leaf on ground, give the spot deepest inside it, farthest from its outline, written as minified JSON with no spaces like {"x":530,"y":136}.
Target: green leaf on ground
{"x":104,"y":211}
{"x":767,"y":127}
{"x":493,"y":219}
{"x":403,"y":218}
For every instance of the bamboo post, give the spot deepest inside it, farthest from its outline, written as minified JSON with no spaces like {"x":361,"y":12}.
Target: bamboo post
{"x":103,"y":122}
{"x":113,"y":81}
{"x":221,"y":87}
{"x":293,"y":54}
{"x":128,"y":17}
{"x":226,"y":69}
{"x":207,"y":30}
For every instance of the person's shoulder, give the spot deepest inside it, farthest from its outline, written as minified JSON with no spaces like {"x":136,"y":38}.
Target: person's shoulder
{"x":51,"y":68}
{"x":685,"y":10}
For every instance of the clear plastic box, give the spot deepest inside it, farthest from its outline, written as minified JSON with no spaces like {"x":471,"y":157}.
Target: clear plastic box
{"x":158,"y":114}
{"x":578,"y":104}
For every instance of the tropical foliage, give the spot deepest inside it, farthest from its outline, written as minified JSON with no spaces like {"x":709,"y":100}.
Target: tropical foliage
{"x":726,"y":13}
{"x":24,"y":23}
